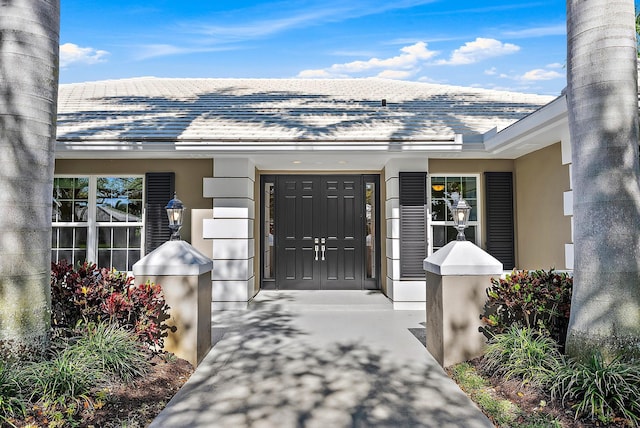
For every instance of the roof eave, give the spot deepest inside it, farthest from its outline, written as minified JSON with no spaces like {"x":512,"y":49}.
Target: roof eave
{"x":543,"y":127}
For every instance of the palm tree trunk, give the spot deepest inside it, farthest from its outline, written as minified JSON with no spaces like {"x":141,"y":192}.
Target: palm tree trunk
{"x":29,"y":46}
{"x":602,"y":98}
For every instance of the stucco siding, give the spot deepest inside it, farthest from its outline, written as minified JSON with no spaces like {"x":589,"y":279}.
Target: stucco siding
{"x":542,"y":229}
{"x":189,"y":177}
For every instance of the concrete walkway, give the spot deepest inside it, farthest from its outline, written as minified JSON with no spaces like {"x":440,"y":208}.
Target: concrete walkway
{"x":319,"y":359}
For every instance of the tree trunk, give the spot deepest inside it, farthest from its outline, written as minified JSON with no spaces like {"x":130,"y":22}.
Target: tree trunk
{"x":29,"y":46}
{"x":602,"y":99}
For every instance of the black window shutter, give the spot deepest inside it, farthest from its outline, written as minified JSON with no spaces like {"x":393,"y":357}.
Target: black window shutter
{"x":413,"y":223}
{"x":499,"y":221}
{"x":159,"y":191}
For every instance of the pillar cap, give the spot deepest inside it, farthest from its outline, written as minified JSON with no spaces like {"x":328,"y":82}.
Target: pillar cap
{"x":462,"y":258}
{"x":173,"y":258}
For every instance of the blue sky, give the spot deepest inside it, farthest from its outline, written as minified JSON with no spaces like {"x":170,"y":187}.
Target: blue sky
{"x":518,"y":46}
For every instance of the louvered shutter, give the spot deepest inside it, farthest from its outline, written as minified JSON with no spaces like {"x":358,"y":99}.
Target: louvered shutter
{"x":159,"y":188}
{"x":413,"y":223}
{"x":499,"y":221}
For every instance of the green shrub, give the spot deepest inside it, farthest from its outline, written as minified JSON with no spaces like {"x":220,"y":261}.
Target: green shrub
{"x":599,"y":389}
{"x":112,"y":349}
{"x":10,"y":400}
{"x":65,"y":376}
{"x":521,"y":353}
{"x":92,"y":295}
{"x":538,"y":300}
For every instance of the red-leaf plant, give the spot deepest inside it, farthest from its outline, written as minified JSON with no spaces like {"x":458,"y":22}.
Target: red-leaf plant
{"x":91,"y":294}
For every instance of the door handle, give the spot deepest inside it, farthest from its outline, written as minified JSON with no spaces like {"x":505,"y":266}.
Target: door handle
{"x":323,"y":248}
{"x":315,"y":248}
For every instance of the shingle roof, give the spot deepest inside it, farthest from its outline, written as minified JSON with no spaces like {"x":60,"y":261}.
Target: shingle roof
{"x":281,"y":110}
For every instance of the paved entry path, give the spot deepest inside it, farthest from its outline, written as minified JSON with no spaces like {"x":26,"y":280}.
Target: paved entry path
{"x":319,"y":359}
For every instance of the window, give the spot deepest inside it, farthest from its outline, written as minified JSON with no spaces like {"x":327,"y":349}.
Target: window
{"x":99,"y":219}
{"x":441,"y":188}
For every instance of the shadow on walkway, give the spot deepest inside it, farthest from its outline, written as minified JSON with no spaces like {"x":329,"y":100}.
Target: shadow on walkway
{"x":276,"y":367}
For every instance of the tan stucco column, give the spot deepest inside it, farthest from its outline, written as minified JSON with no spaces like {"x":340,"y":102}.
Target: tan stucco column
{"x":457,"y":276}
{"x":185,"y":276}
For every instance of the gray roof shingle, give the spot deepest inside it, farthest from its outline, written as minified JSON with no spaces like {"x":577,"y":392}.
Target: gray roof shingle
{"x":282,"y":110}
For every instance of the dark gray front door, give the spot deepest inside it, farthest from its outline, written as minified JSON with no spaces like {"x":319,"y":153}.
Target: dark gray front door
{"x":319,"y":233}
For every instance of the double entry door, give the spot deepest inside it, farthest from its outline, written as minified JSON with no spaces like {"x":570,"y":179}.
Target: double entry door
{"x":320,"y":232}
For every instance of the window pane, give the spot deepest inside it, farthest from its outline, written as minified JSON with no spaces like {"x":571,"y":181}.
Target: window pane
{"x":81,"y":188}
{"x":439,"y":239}
{"x":453,"y":185}
{"x":437,"y":187}
{"x":119,"y":199}
{"x":104,"y":258}
{"x":473,"y":215}
{"x":70,"y":197}
{"x":81,"y":211}
{"x":135,"y":209}
{"x":370,"y":237}
{"x":133,"y":257}
{"x":104,"y":237}
{"x":65,"y":255}
{"x":79,"y":256}
{"x":439,"y":210}
{"x":269,"y":230}
{"x":65,"y":211}
{"x":80,"y":237}
{"x":119,"y":247}
{"x":120,"y":237}
{"x":469,"y":187}
{"x":135,"y":235}
{"x":65,"y":237}
{"x":119,"y":260}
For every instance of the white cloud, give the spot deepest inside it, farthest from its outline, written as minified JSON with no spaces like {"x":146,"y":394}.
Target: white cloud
{"x":541,"y":74}
{"x":317,"y":74}
{"x":71,"y":53}
{"x":401,"y":66}
{"x":535,"y":75}
{"x":395,"y":74}
{"x":478,"y":50}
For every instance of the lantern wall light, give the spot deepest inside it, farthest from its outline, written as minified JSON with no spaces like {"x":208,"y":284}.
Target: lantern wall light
{"x":460,"y":211}
{"x":175,"y":212}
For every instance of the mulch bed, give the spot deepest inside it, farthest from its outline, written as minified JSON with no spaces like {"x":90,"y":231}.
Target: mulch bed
{"x":135,"y":404}
{"x":533,"y":401}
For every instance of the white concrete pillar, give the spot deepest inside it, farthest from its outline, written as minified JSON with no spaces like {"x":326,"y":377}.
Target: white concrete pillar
{"x":406,"y":294}
{"x":458,"y":275}
{"x":565,"y":144}
{"x":183,"y":273}
{"x":231,"y":229}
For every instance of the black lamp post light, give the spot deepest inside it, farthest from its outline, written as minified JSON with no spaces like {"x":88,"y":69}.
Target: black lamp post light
{"x":175,"y":211}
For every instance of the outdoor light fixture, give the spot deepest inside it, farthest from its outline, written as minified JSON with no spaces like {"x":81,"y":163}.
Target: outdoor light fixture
{"x":175,"y":211}
{"x":460,"y":211}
